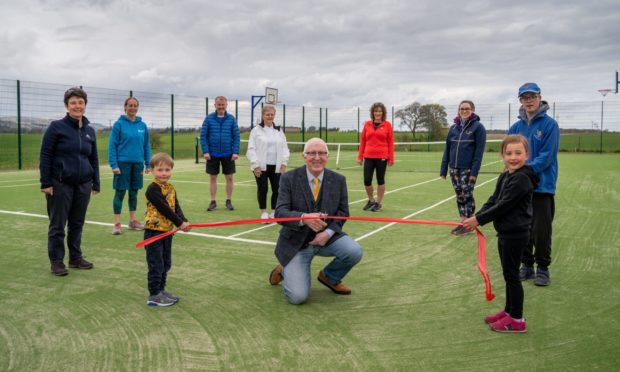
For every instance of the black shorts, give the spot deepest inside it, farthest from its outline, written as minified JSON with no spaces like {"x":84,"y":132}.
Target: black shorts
{"x":228,"y":165}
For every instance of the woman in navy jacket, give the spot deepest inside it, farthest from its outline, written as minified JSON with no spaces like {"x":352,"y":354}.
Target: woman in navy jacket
{"x":463,"y":153}
{"x":69,"y":168}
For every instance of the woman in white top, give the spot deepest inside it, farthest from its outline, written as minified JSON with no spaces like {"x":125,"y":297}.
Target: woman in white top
{"x":268,"y":155}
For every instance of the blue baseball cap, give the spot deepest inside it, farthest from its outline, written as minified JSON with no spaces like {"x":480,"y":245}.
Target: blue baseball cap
{"x":529,"y":88}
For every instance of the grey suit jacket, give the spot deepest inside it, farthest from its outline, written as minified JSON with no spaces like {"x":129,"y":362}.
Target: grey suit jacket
{"x":295,"y":198}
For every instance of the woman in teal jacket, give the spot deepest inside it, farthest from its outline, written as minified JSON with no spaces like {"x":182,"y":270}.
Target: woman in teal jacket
{"x":129,"y":153}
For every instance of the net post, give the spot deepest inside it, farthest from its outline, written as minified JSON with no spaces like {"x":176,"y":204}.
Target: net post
{"x":338,"y":156}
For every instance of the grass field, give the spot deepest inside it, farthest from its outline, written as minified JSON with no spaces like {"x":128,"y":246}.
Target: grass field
{"x":417,"y":302}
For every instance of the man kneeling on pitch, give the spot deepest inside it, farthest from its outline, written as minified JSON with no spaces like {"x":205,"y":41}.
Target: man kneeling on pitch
{"x":313,"y":191}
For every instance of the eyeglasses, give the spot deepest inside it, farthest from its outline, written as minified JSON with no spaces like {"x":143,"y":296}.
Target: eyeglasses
{"x":314,"y":154}
{"x":529,"y":98}
{"x":465,"y":109}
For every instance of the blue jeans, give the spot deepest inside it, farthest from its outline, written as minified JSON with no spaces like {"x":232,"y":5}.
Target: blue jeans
{"x":296,"y":273}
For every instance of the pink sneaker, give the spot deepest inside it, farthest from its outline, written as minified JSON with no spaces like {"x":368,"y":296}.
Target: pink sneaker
{"x":495,"y":317}
{"x":507,"y":324}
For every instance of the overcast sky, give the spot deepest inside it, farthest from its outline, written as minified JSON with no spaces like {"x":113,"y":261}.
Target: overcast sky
{"x":322,"y":53}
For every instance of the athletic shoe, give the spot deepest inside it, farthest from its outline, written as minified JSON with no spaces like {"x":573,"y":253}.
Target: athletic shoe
{"x":507,"y":324}
{"x":526,"y":272}
{"x":264,"y":216}
{"x":272,"y":215}
{"x":59,"y":269}
{"x":80,"y":263}
{"x":542,"y":277}
{"x":170,"y":296}
{"x":229,"y":205}
{"x":495,"y":317}
{"x":453,"y":231}
{"x":116,"y":229}
{"x":160,"y":300}
{"x":369,"y":205}
{"x":212,"y":206}
{"x":461,"y":231}
{"x":376,"y":207}
{"x":135,"y":225}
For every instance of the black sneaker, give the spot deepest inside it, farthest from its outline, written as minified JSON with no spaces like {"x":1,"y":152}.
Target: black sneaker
{"x":526,"y":272}
{"x":542,"y":277}
{"x":461,"y":231}
{"x":229,"y":205}
{"x":212,"y":206}
{"x":369,"y":205}
{"x":59,"y":269}
{"x":376,"y":207}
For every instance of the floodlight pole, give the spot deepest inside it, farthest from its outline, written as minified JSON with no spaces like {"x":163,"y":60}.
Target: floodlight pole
{"x":254,"y":104}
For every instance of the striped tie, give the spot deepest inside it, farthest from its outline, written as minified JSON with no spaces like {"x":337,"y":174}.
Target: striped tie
{"x":315,"y":190}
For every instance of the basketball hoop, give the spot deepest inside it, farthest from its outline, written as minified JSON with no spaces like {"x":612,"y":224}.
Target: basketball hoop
{"x":271,"y":96}
{"x":604,"y":92}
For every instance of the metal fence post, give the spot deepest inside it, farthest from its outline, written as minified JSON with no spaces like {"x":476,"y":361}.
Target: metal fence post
{"x":320,"y":122}
{"x":303,"y":124}
{"x":392,"y":115}
{"x":237,"y":110}
{"x":172,"y":125}
{"x":601,"y":148}
{"x":283,"y":118}
{"x":206,"y":106}
{"x":19,"y":127}
{"x":509,"y":116}
{"x":326,"y":126}
{"x":358,"y":124}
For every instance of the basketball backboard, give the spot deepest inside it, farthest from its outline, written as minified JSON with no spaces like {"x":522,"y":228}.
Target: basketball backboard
{"x":271,"y":96}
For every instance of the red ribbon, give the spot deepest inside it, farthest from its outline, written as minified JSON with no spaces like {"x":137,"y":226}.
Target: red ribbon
{"x":482,"y":243}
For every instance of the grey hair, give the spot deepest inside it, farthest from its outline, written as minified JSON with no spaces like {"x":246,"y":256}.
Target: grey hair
{"x":315,"y":140}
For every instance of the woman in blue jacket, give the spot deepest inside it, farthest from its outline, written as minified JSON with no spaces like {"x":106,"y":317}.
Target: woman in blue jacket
{"x":463,"y":154}
{"x":129,"y":153}
{"x":69,"y":170}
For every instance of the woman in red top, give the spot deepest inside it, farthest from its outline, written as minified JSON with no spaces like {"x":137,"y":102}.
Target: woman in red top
{"x":376,"y":153}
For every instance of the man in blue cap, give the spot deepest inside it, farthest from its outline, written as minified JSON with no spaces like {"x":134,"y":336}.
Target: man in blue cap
{"x":543,"y":135}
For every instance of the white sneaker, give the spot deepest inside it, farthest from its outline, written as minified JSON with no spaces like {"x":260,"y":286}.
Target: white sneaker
{"x":264,"y":216}
{"x":272,"y":215}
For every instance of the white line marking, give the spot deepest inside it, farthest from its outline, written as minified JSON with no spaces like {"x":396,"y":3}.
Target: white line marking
{"x":111,"y":224}
{"x":415,"y":213}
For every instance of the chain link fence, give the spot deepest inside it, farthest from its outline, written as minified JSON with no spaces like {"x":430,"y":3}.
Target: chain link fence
{"x":27,"y":108}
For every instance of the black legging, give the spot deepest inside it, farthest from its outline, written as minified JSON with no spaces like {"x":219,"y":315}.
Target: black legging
{"x":370,"y":165}
{"x":510,"y":255}
{"x":261,"y":182}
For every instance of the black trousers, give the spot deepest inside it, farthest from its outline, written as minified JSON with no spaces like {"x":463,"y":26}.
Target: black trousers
{"x":158,"y":260}
{"x":539,"y":248}
{"x":510,"y":255}
{"x":261,"y":182}
{"x":67,"y":207}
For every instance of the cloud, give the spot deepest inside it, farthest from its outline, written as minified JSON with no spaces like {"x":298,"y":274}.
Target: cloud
{"x":335,"y":54}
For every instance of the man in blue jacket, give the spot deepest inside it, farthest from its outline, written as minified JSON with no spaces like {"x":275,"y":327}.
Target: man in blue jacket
{"x":219,"y":138}
{"x":543,"y":135}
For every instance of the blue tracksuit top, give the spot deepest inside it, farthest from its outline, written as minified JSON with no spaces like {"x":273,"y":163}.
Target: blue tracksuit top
{"x":129,"y":142}
{"x":219,"y":137}
{"x":69,"y":153}
{"x":543,"y":136}
{"x":464,"y":146}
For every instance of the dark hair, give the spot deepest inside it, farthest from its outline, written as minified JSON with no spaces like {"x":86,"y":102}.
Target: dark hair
{"x":162,"y":158}
{"x":473,"y":107}
{"x":380,"y":105}
{"x":130,"y":98}
{"x":75,"y":92}
{"x":515,"y":138}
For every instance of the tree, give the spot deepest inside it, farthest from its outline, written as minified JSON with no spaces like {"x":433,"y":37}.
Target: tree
{"x":434,"y":119}
{"x":431,"y":117}
{"x":410,"y":117}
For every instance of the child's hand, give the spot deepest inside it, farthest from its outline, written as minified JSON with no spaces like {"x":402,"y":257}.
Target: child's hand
{"x":470,"y":223}
{"x":185,"y":227}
